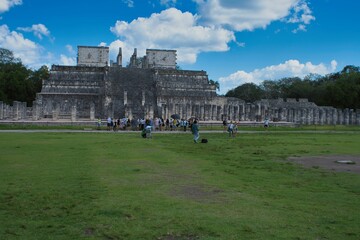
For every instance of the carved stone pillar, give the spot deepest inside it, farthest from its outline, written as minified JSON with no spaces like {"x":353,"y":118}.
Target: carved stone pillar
{"x":143,"y":98}
{"x":352,"y":117}
{"x":1,"y":110}
{"x":73,"y":113}
{"x":213,"y":112}
{"x":202,"y":112}
{"x":92,"y":111}
{"x":16,"y":110}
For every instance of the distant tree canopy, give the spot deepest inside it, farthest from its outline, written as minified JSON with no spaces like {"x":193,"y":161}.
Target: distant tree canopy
{"x":215,"y":83}
{"x":340,"y":90}
{"x":17,"y":82}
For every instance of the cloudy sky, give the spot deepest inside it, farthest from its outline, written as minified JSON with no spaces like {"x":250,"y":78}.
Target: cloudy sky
{"x":235,"y":41}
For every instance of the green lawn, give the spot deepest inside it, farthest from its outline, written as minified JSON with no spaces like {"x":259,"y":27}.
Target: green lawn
{"x":120,"y":186}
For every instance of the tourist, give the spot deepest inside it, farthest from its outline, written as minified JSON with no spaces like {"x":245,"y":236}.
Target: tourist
{"x":109,"y":120}
{"x":230,"y":129}
{"x":161,"y":124}
{"x":167,"y":124}
{"x":236,"y":128}
{"x":195,"y":131}
{"x":266,"y":123}
{"x":98,"y":124}
{"x":224,"y":124}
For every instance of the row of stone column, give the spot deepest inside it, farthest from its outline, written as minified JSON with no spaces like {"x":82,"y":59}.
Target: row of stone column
{"x":203,"y":112}
{"x":206,"y":112}
{"x":319,"y":115}
{"x":17,"y":111}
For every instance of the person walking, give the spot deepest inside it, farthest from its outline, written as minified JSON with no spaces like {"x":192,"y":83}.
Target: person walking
{"x":195,"y":131}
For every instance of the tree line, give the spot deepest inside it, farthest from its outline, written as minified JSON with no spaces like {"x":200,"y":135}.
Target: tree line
{"x":17,"y":82}
{"x":340,"y":90}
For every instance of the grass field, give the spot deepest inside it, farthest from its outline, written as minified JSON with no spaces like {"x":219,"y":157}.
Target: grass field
{"x":120,"y":186}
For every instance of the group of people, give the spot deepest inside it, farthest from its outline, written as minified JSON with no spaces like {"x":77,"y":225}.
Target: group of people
{"x":148,"y":125}
{"x":231,"y":128}
{"x":158,"y":124}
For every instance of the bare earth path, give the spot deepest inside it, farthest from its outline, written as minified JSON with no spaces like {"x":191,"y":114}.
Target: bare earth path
{"x":337,"y":163}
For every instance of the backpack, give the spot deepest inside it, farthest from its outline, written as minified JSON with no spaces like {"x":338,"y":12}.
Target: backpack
{"x":204,"y":140}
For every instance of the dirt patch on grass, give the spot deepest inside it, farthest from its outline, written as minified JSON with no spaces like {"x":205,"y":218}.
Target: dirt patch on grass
{"x":337,"y":163}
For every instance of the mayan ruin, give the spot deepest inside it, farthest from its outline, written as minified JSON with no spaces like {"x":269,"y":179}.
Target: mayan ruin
{"x":152,"y":86}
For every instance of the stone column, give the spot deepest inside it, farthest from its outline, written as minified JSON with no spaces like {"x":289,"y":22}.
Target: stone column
{"x":333,"y":116}
{"x":202,"y":112}
{"x":352,"y":117}
{"x":151,"y":111}
{"x":92,"y":111}
{"x":125,"y":97}
{"x":289,"y":115}
{"x":218,"y":112}
{"x":283,"y":112}
{"x":1,"y":110}
{"x":236,"y":113}
{"x":16,"y":110}
{"x":35,"y":111}
{"x":197,"y":111}
{"x":177,"y":109}
{"x":23,"y":109}
{"x":54,"y":115}
{"x":213,"y":112}
{"x":130,"y":114}
{"x":73,"y":113}
{"x":6,"y":110}
{"x":56,"y":112}
{"x":170,"y":109}
{"x":327,"y":116}
{"x":207,"y":109}
{"x":182,"y":110}
{"x":143,"y":98}
{"x":232,"y":112}
{"x":226,"y":111}
{"x":346,"y":116}
{"x":187,"y":111}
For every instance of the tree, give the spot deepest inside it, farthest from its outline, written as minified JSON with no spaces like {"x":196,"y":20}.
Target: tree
{"x":248,"y":92}
{"x":7,"y":56}
{"x":340,"y":89}
{"x":271,"y":89}
{"x":215,"y":83}
{"x":17,"y":82}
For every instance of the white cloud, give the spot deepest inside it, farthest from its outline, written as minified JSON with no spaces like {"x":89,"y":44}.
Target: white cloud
{"x":172,"y":29}
{"x":168,"y":3}
{"x":302,"y":15}
{"x":243,"y":14}
{"x":70,"y":49}
{"x":129,"y":3}
{"x":67,"y":61}
{"x":290,"y":68}
{"x":5,"y":5}
{"x":248,"y":15}
{"x":28,"y":51}
{"x":301,"y":28}
{"x":39,"y":30}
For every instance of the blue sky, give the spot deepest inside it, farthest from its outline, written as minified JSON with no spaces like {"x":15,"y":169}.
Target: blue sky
{"x":234,"y":41}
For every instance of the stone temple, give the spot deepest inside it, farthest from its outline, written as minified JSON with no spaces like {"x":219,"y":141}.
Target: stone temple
{"x":152,"y":86}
